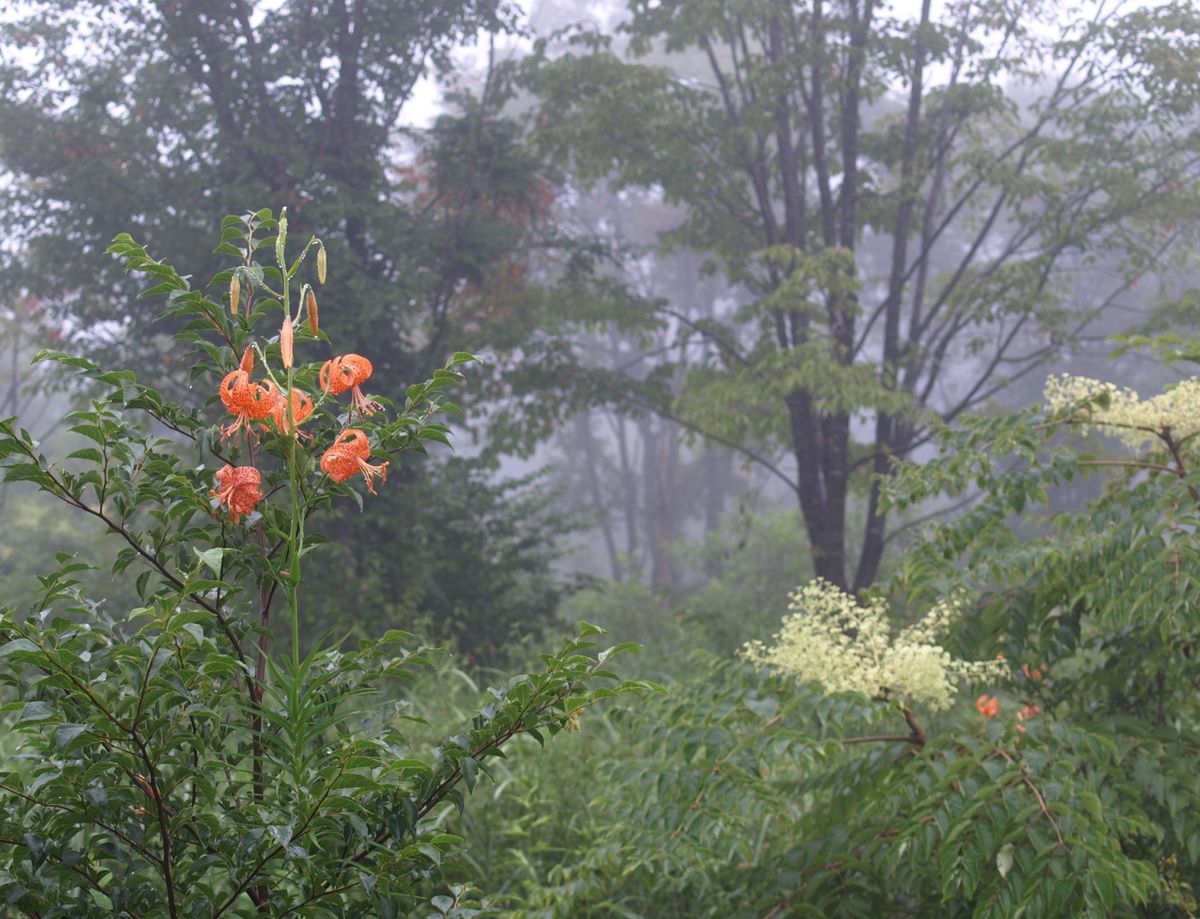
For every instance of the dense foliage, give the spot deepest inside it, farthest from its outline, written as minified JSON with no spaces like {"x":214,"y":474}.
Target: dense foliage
{"x":909,"y":210}
{"x":730,"y":253}
{"x":108,"y":110}
{"x":164,"y":760}
{"x":1061,"y":786}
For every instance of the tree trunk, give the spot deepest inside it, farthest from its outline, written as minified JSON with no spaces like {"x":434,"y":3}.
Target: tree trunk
{"x":658,"y":516}
{"x":583,"y":434}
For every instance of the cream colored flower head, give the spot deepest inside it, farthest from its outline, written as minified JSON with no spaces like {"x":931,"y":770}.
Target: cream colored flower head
{"x":815,"y":644}
{"x":1135,"y":421}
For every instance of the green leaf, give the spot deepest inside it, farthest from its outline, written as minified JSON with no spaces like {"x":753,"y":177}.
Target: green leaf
{"x":1004,"y":860}
{"x":26,"y":472}
{"x":91,"y":454}
{"x":17,"y":644}
{"x":38,"y":710}
{"x":212,"y":558}
{"x":470,"y":771}
{"x":65,"y":733}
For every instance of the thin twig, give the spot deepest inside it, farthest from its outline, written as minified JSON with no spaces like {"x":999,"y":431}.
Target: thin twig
{"x":1037,"y":794}
{"x":883,"y":738}
{"x":1131,"y":464}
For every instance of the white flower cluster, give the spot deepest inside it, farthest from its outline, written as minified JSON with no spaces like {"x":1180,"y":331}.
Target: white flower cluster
{"x":815,"y":644}
{"x":1129,"y":417}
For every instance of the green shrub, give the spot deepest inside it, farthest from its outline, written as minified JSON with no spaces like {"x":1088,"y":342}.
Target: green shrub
{"x":1067,"y":788}
{"x":165,"y":760}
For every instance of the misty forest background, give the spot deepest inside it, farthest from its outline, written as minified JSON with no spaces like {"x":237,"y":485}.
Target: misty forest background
{"x":727,"y":263}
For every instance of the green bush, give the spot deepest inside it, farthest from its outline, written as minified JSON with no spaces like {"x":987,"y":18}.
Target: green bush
{"x":164,"y":760}
{"x":1066,"y":788}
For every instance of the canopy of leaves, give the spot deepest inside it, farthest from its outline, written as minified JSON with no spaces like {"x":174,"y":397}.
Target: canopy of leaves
{"x":904,"y":206}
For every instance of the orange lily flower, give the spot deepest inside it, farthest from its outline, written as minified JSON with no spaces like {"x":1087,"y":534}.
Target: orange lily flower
{"x":349,"y":371}
{"x":1027,"y":713}
{"x":302,"y":407}
{"x":348,"y":456}
{"x":988,"y":706}
{"x":237,"y":489}
{"x":248,"y":401}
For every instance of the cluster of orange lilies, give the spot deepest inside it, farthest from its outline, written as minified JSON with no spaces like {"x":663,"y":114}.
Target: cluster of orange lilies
{"x":238,"y":487}
{"x":989,"y":706}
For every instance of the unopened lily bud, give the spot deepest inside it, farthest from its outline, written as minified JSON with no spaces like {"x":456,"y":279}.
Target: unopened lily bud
{"x":322,"y":264}
{"x":285,"y":342}
{"x":310,"y":309}
{"x":247,"y":363}
{"x":281,"y":236}
{"x":235,"y":294}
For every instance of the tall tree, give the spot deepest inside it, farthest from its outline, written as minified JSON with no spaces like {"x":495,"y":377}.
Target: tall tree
{"x":901,"y":204}
{"x":111,"y":109}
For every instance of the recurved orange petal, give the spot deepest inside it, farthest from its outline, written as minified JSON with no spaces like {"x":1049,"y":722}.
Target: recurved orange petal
{"x":238,"y":490}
